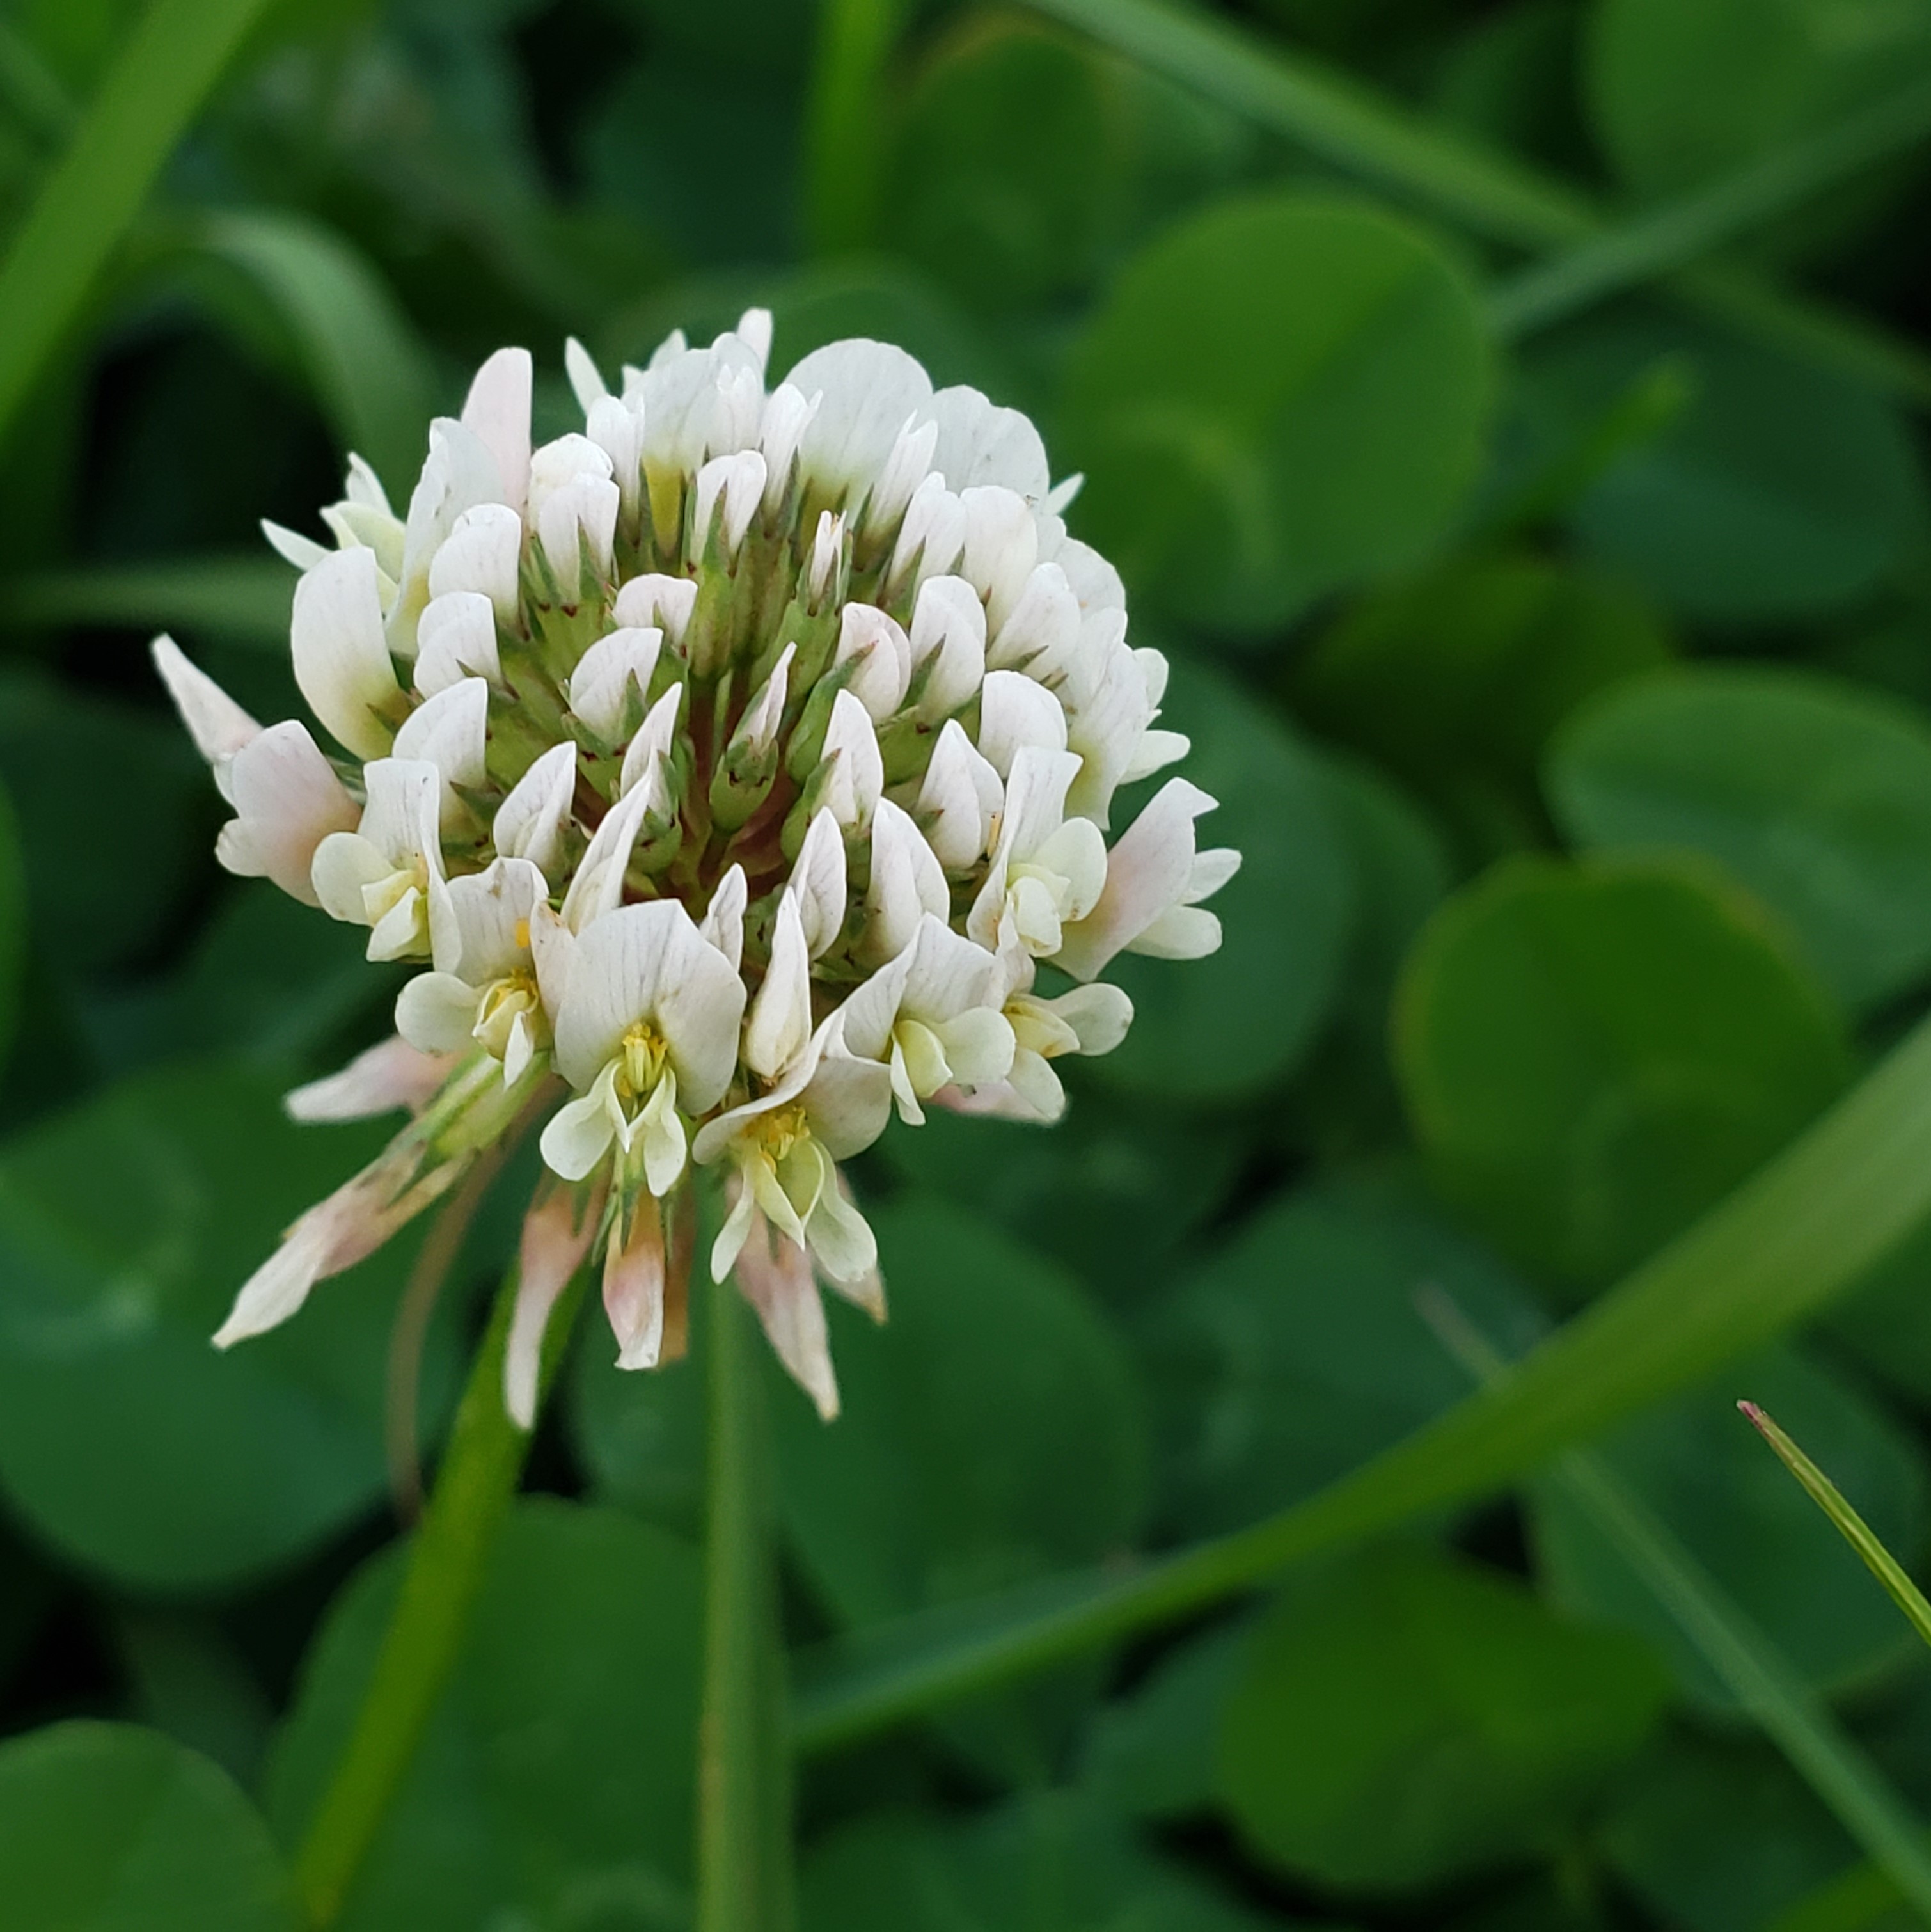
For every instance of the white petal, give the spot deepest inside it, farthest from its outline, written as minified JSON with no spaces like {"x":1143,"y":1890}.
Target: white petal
{"x":219,"y":726}
{"x":947,"y":974}
{"x":787,"y":414}
{"x":907,"y":466}
{"x":753,"y":331}
{"x":932,"y":535}
{"x":980,"y":442}
{"x":948,"y":640}
{"x":979,"y":1046}
{"x":450,"y":731}
{"x":493,"y":910}
{"x":583,"y":513}
{"x":653,"y":741}
{"x":482,"y":552}
{"x":781,"y":1016}
{"x":1156,"y":751}
{"x":723,"y":924}
{"x":618,"y":431}
{"x":858,"y":776}
{"x":305,"y":552}
{"x":341,"y":658}
{"x":529,"y":823}
{"x":906,"y":882}
{"x":1211,"y":871}
{"x":730,"y":488}
{"x":344,"y":863}
{"x":1146,"y":873}
{"x":1043,"y":626}
{"x":596,"y":889}
{"x":456,"y":638}
{"x":841,"y":1240}
{"x":435,"y":1012}
{"x":1098,"y":1015}
{"x":757,"y":729}
{"x":497,"y":410}
{"x":607,"y":676}
{"x":884,"y":658}
{"x":579,"y":1134}
{"x":959,"y":799}
{"x":817,"y":882}
{"x":393,"y":1075}
{"x":288,"y":800}
{"x":657,"y":601}
{"x":587,"y":381}
{"x":1014,"y":711}
{"x":1001,"y":543}
{"x":1180,"y":932}
{"x":870,"y":390}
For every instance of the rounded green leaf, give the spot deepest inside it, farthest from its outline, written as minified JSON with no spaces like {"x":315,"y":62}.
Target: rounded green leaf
{"x":1764,"y":1542}
{"x":1593,"y":1054}
{"x":1781,"y":490}
{"x":104,"y":1827}
{"x":1297,"y":1351}
{"x":1232,"y":1024}
{"x":1412,"y":1718}
{"x":126,"y":1227}
{"x":1680,"y":93}
{"x":1816,"y":794}
{"x":1455,"y":680}
{"x":1027,"y":156}
{"x":1277,"y":397}
{"x":553,"y":1784}
{"x":993,"y":1368}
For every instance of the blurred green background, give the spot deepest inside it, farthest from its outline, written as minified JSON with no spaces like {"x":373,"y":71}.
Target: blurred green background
{"x":1509,"y":419}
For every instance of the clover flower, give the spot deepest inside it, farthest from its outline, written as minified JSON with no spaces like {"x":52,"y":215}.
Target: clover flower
{"x":734,"y":769}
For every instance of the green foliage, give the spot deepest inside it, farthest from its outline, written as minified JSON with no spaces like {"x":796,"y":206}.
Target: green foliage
{"x":1594,"y":1053}
{"x":1277,"y":398}
{"x":555,"y":1777}
{"x":103,"y":1827}
{"x":1563,"y":705}
{"x":127,"y":1224}
{"x":1443,"y":1722}
{"x":1816,"y":795}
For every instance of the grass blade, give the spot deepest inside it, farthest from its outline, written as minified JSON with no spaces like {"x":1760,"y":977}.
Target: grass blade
{"x":1651,"y":244}
{"x":1348,"y":125}
{"x":1858,"y":1534}
{"x":244,"y":599}
{"x":1806,"y":1226}
{"x":846,"y":122}
{"x":166,"y":70}
{"x":369,"y":368}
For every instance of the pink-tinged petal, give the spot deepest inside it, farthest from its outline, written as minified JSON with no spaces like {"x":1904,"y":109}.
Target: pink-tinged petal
{"x":556,"y":1235}
{"x":633,"y":1288}
{"x":775,"y":1278}
{"x":530,"y":822}
{"x":219,"y":726}
{"x":287,"y":801}
{"x":497,"y":410}
{"x":1146,"y":873}
{"x":394,"y":1074}
{"x":341,"y":657}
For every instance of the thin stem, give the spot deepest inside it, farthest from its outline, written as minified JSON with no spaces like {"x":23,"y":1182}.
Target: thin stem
{"x":1651,"y":244}
{"x":474,"y":1489}
{"x":164,"y":72}
{"x":1806,"y":1227}
{"x":744,"y":1851}
{"x":1857,"y":1533}
{"x":410,"y":1332}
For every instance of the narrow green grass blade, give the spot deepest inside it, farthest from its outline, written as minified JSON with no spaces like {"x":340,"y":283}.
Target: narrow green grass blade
{"x":1334,"y":117}
{"x":1651,"y":244}
{"x":846,"y":124}
{"x":1853,"y":1901}
{"x":1758,"y":1674}
{"x":1804,"y":1227}
{"x":163,"y":75}
{"x":1788,"y":1712}
{"x":30,"y":89}
{"x":1857,"y":1533}
{"x":369,"y":369}
{"x":244,"y":599}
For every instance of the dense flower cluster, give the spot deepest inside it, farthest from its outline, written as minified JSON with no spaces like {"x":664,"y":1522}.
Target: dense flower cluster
{"x":736,"y":766}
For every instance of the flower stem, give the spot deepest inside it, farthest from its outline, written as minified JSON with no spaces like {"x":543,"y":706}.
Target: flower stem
{"x":744,"y":1794}
{"x":474,"y":1488}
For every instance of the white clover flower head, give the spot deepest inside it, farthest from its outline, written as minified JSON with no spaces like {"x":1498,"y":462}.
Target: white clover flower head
{"x":733,"y":769}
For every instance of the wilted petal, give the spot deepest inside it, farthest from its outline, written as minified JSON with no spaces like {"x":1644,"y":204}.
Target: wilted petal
{"x":394,"y":1074}
{"x":556,"y":1235}
{"x":633,"y":1289}
{"x":775,"y":1278}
